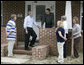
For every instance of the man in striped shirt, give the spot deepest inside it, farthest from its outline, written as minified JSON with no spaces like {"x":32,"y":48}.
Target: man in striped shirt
{"x":11,"y":34}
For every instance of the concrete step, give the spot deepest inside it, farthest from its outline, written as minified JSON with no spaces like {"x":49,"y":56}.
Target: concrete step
{"x":23,"y":43}
{"x":21,"y":47}
{"x":18,"y":51}
{"x":21,"y":50}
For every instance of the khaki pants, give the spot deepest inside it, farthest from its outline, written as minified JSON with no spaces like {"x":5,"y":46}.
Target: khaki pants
{"x":10,"y":47}
{"x":60,"y":51}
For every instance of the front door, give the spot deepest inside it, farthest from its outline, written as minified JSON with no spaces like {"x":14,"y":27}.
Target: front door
{"x":38,"y":8}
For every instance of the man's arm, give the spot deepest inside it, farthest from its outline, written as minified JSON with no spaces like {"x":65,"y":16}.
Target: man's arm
{"x":10,"y":32}
{"x":42,"y":20}
{"x":8,"y":28}
{"x":53,"y":20}
{"x":25,"y":25}
{"x":25,"y":21}
{"x":36,"y":23}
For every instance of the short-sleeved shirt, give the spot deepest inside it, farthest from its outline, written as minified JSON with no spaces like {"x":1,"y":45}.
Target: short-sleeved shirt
{"x":59,"y":39}
{"x":11,"y":26}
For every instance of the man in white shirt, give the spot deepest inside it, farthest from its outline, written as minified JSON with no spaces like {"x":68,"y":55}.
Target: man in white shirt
{"x":28,"y":26}
{"x":63,"y":19}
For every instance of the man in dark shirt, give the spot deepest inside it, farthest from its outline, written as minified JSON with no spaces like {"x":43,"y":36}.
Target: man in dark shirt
{"x":48,"y":18}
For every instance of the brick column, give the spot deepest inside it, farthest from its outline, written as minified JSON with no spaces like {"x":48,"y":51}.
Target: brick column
{"x":40,"y":52}
{"x":60,"y":9}
{"x":75,"y":9}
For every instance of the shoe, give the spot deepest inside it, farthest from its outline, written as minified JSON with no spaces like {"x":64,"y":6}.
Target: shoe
{"x":59,"y":62}
{"x":35,"y":44}
{"x":65,"y":56}
{"x":32,"y":46}
{"x":76,"y":56}
{"x":10,"y":55}
{"x":27,"y":49}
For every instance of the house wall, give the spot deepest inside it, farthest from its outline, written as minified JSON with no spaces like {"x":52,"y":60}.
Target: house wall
{"x":76,"y":9}
{"x":60,"y":10}
{"x":18,"y":8}
{"x":3,"y":36}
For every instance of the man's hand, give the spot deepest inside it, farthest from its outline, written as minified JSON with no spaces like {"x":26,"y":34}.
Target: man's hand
{"x":53,"y":27}
{"x":9,"y":33}
{"x":26,"y":31}
{"x":39,"y":27}
{"x":65,"y":38}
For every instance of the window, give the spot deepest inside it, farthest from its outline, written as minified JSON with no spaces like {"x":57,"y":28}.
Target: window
{"x":29,"y":8}
{"x":82,"y":21}
{"x":40,"y":10}
{"x":1,"y":13}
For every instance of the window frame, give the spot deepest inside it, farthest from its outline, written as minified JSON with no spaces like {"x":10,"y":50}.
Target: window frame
{"x":1,"y":12}
{"x":81,"y":15}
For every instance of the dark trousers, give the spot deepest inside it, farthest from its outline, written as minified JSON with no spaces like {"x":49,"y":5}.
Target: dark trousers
{"x":65,"y":50}
{"x":48,"y":26}
{"x":76,"y":46}
{"x":32,"y":33}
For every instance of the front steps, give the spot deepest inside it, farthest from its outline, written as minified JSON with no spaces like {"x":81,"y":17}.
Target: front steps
{"x":20,"y":50}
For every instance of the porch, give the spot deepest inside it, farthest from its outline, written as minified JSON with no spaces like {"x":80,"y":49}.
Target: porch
{"x":58,"y":8}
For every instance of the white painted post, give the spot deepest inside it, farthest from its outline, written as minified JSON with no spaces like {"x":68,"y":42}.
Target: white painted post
{"x":68,"y":14}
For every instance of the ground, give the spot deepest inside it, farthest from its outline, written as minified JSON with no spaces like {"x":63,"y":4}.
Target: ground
{"x":49,"y":60}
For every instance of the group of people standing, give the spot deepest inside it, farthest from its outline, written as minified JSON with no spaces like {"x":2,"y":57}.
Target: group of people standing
{"x":62,"y":35}
{"x":48,"y":19}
